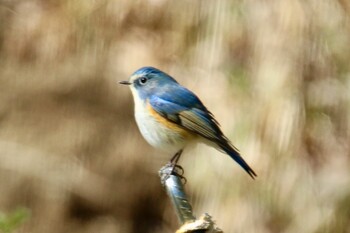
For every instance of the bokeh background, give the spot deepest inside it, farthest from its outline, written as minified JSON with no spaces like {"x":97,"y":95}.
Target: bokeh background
{"x":275,"y":74}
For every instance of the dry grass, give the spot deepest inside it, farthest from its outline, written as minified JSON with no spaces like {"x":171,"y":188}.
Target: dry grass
{"x":275,"y":73}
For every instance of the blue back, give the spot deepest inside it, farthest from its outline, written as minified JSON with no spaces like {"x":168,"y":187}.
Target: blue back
{"x":162,"y":85}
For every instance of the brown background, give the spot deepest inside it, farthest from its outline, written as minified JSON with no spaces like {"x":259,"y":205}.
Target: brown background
{"x":275,"y":74}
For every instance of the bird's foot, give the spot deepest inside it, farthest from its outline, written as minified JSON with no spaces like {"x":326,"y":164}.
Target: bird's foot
{"x":172,"y":169}
{"x":176,"y":170}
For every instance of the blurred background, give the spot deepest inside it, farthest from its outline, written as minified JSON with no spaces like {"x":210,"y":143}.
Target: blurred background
{"x":275,"y":74}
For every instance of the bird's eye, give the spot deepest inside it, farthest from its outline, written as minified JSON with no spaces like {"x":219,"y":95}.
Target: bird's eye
{"x":143,"y":80}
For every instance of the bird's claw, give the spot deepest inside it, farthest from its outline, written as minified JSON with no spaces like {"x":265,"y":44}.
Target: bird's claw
{"x":172,"y":169}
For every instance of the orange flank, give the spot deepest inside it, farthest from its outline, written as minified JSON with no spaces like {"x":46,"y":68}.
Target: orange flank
{"x":166,"y":123}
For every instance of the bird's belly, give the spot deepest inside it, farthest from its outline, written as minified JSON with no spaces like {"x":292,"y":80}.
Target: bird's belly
{"x":161,"y":133}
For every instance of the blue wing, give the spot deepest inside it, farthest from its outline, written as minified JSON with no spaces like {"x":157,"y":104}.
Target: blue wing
{"x":182,"y":107}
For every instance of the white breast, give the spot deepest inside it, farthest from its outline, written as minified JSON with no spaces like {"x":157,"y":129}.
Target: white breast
{"x":154,"y":132}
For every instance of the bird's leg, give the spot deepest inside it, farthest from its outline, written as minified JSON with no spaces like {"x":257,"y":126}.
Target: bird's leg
{"x":176,"y":157}
{"x":173,"y":163}
{"x":176,"y":169}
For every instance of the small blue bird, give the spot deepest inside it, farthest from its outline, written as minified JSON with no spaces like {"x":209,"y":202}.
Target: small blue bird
{"x":170,"y":116}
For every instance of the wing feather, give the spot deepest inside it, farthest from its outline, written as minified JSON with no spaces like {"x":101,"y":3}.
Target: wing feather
{"x":199,"y":124}
{"x":196,"y":119}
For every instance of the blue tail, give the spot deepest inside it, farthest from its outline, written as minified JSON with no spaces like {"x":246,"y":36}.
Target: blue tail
{"x":234,"y":154}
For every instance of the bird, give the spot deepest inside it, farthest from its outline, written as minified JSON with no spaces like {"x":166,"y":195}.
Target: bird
{"x":171,"y":117}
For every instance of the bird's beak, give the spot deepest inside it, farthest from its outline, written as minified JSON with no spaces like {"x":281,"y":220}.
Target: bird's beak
{"x":125,"y":82}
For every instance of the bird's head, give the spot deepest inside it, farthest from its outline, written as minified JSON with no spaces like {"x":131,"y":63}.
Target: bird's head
{"x":147,"y":81}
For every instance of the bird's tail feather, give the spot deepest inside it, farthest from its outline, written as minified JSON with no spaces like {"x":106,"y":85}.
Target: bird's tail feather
{"x":234,"y":154}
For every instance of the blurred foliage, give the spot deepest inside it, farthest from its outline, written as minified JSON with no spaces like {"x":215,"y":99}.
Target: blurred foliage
{"x":9,"y":222}
{"x":275,"y":73}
